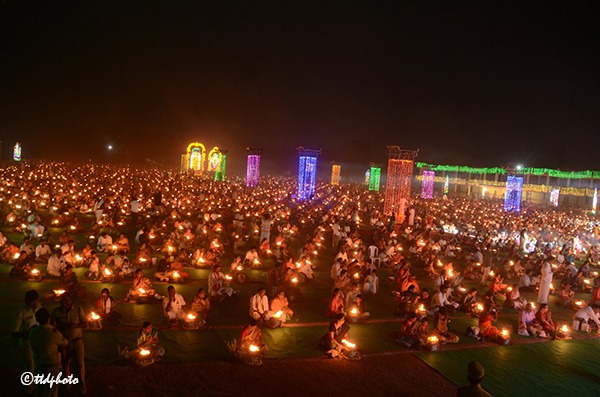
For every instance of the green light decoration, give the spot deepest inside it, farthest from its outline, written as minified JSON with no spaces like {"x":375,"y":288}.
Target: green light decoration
{"x":524,"y":171}
{"x":461,"y":168}
{"x":220,"y":173}
{"x":374,"y":179}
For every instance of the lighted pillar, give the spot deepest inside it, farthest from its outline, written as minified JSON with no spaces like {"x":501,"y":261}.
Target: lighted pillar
{"x":446,"y":185}
{"x":595,"y":201}
{"x":399,"y":177}
{"x":554,"y":195}
{"x":374,"y":178}
{"x":514,"y":191}
{"x":368,"y":177}
{"x":17,"y":152}
{"x":427,"y":186}
{"x":253,"y":167}
{"x":307,"y":173}
{"x":336,"y":171}
{"x":220,"y":171}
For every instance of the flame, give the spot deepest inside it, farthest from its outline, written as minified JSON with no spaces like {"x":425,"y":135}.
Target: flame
{"x":354,"y":311}
{"x":348,"y":344}
{"x":144,"y":352}
{"x":564,"y":329}
{"x":141,"y":290}
{"x":256,"y":262}
{"x":432,"y":339}
{"x":94,"y":316}
{"x":505,"y":332}
{"x":239,"y":268}
{"x":142,"y":259}
{"x":35,"y":272}
{"x":253,"y":348}
{"x":17,"y":255}
{"x":295,"y":280}
{"x":191,"y":317}
{"x":579,"y":303}
{"x":479,"y":307}
{"x":59,"y":292}
{"x":278,"y":314}
{"x":201,"y":260}
{"x":356,"y":275}
{"x":228,"y":277}
{"x":176,"y":274}
{"x":107,"y":272}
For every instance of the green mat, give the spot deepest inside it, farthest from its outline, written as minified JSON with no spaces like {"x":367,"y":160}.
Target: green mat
{"x":558,"y":368}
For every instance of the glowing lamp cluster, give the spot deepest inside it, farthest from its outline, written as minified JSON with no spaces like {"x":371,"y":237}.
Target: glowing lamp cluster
{"x":307,"y":173}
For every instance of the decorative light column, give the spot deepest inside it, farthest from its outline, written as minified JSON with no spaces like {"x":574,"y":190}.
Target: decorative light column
{"x":307,"y":172}
{"x":427,"y":186}
{"x":514,"y":191}
{"x":253,"y":167}
{"x":375,"y":178}
{"x":399,"y":177}
{"x":336,"y":172}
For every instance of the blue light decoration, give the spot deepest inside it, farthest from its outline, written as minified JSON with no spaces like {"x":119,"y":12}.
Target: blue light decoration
{"x":554,"y":195}
{"x":17,"y":152}
{"x":514,"y":191}
{"x":307,"y":173}
{"x":427,"y":186}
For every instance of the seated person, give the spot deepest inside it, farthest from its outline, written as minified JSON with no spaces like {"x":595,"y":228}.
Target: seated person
{"x":173,"y":306}
{"x":104,"y":243}
{"x":565,"y":296}
{"x":371,"y":283}
{"x":526,"y":282}
{"x":22,"y":265}
{"x":147,"y":340}
{"x":358,"y":309}
{"x":408,"y":333}
{"x":527,"y":325}
{"x":440,"y":327}
{"x":28,"y":247}
{"x":352,"y":294}
{"x":441,"y":299}
{"x":42,"y":252}
{"x":543,"y":319}
{"x":422,"y":332}
{"x":407,"y":302}
{"x":259,"y":306}
{"x":306,"y":271}
{"x":106,"y":308}
{"x":94,"y":271}
{"x":336,"y":304}
{"x":56,"y":265}
{"x":69,"y":282}
{"x":497,"y":285}
{"x":280,"y":304}
{"x":332,"y":340}
{"x":162,"y":269}
{"x":514,"y":300}
{"x":487,"y":329}
{"x":251,"y":258}
{"x":122,"y":244}
{"x":201,"y":304}
{"x":251,"y":347}
{"x":468,"y":301}
{"x":177,"y":266}
{"x":218,"y":284}
{"x":141,"y":287}
{"x":587,"y":315}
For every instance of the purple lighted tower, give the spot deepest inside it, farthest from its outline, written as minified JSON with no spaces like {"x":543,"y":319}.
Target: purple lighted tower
{"x":253,"y":167}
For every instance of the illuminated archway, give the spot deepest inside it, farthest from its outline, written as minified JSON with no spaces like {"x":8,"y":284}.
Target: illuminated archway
{"x":214,"y":160}
{"x":194,"y":157}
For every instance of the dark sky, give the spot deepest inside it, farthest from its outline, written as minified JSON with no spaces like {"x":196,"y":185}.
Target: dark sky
{"x":470,"y":84}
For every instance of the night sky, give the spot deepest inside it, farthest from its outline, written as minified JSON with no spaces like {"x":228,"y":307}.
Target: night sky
{"x":469,"y":84}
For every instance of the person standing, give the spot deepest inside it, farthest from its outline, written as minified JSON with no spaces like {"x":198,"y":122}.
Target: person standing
{"x":46,"y":343}
{"x":22,"y":323}
{"x":70,"y":321}
{"x":135,"y":208}
{"x":546,"y":280}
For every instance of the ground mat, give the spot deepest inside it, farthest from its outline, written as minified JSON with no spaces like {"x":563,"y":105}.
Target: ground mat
{"x":557,"y":368}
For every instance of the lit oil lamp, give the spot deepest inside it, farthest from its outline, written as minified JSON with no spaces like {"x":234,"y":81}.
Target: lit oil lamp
{"x":349,"y":344}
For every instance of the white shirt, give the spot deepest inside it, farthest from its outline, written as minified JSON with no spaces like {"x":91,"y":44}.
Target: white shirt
{"x":259,"y":304}
{"x":135,"y":206}
{"x":176,"y":305}
{"x":587,"y":313}
{"x":42,"y":250}
{"x":55,"y":265}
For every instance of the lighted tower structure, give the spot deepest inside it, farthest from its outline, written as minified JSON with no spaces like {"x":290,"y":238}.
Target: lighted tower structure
{"x":307,"y":172}
{"x":399,"y":177}
{"x":374,"y":178}
{"x":253,"y":167}
{"x":336,"y":172}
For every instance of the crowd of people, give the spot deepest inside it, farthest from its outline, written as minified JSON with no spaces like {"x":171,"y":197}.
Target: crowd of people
{"x":447,"y":257}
